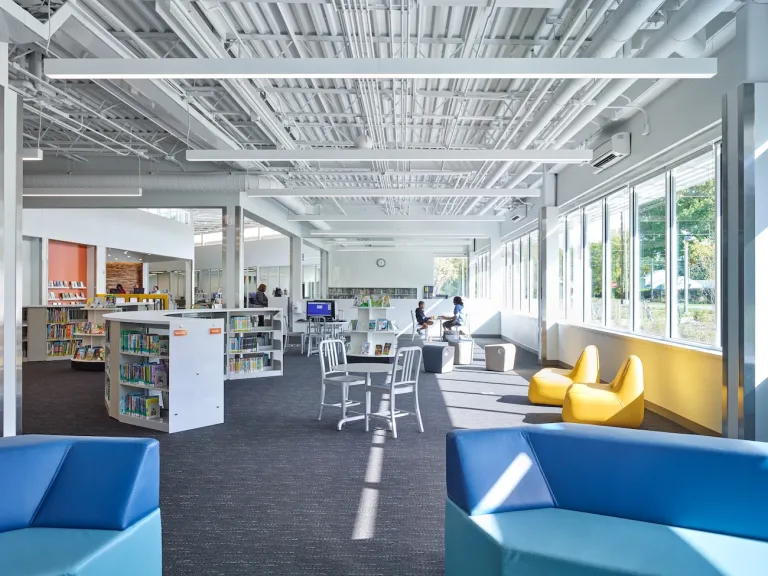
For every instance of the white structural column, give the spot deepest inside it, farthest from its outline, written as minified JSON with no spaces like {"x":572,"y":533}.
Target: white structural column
{"x":297,"y":261}
{"x":324,"y":273}
{"x":10,"y":252}
{"x":189,"y":283}
{"x":232,"y":254}
{"x":549,"y":277}
{"x":100,"y":286}
{"x":496,"y":264}
{"x":744,"y":200}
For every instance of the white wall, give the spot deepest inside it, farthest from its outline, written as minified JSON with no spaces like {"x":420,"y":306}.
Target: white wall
{"x":123,"y":229}
{"x":268,"y":252}
{"x":521,"y":329}
{"x":403,"y":270}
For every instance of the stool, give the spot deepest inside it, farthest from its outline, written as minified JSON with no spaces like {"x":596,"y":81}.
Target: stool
{"x":438,"y":359}
{"x":500,"y":357}
{"x":464,"y":351}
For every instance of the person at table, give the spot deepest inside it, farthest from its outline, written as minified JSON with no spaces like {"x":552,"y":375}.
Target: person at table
{"x":422,"y":320}
{"x":262,"y":300}
{"x":457,"y":320}
{"x":155,"y":290}
{"x":136,"y":289}
{"x":119,"y":289}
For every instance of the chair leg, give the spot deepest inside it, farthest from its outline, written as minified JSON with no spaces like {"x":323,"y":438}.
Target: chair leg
{"x":367,"y":407}
{"x":418,"y":412}
{"x":393,"y":420}
{"x":344,"y":391}
{"x":322,"y":401}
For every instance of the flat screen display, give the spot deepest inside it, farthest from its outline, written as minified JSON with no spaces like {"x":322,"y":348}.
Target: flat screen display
{"x":324,"y":308}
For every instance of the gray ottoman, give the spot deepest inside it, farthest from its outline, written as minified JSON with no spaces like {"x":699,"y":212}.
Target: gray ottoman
{"x":464,"y":351}
{"x":437,"y":358}
{"x":500,"y":357}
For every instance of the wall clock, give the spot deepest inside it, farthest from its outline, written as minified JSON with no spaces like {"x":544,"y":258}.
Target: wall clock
{"x":381,"y":262}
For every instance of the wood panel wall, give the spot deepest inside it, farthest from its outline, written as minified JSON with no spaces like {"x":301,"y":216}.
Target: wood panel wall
{"x":129,"y":274}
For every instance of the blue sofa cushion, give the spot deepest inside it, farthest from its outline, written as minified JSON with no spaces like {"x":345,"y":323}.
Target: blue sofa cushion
{"x":136,"y":551}
{"x":494,"y":471}
{"x":569,"y":543}
{"x":77,"y":482}
{"x":710,"y":484}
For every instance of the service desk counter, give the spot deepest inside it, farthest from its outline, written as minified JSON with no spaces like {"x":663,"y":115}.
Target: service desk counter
{"x":165,"y":369}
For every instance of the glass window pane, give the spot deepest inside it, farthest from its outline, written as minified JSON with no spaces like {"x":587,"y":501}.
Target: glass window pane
{"x":696,"y":213}
{"x":593,"y":271}
{"x":574,"y":267}
{"x":525,"y":277}
{"x":516,"y":274}
{"x":652,"y":236}
{"x":618,"y":260}
{"x":561,"y":263}
{"x":449,"y":275}
{"x":534,"y":309}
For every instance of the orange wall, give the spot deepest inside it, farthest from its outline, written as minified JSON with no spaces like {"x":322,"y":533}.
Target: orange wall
{"x":67,"y":261}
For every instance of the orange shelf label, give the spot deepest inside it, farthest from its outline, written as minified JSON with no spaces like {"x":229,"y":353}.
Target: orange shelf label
{"x":179,"y":332}
{"x":214,"y":331}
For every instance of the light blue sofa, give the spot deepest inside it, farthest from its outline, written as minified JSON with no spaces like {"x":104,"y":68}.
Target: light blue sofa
{"x":77,"y":506}
{"x":576,"y":500}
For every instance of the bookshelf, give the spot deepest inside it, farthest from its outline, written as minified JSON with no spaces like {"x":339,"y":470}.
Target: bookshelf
{"x":399,"y":293}
{"x":154,"y":301}
{"x":66,"y":292}
{"x":50,"y":333}
{"x":92,"y":334}
{"x":163,"y":372}
{"x":372,"y":329}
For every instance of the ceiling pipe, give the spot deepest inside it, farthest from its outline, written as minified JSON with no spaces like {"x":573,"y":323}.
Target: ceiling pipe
{"x":682,"y":26}
{"x":624,"y":23}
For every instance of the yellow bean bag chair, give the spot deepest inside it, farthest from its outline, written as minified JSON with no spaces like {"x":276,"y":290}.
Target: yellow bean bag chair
{"x":548,"y":386}
{"x":620,"y":403}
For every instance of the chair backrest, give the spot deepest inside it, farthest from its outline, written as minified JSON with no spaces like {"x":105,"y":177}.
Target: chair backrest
{"x":316,"y":325}
{"x":587,"y":367}
{"x":413,"y":321}
{"x":409,"y":361}
{"x":628,"y":384}
{"x":332,"y":353}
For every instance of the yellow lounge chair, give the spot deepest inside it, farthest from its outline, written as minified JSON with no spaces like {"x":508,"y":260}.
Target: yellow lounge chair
{"x":548,"y":386}
{"x":620,"y":403}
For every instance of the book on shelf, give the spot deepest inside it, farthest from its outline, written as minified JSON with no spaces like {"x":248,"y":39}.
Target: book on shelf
{"x":353,"y":325}
{"x":154,"y":374}
{"x":242,"y":323}
{"x":142,"y":404}
{"x":366,"y":349}
{"x":387,"y":348}
{"x":382,"y":325}
{"x":249,"y":342}
{"x":140,"y":343}
{"x":248,"y":365}
{"x":372,"y":325}
{"x":379,"y":349}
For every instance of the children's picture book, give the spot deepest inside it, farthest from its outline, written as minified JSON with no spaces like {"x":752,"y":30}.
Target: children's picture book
{"x":382,"y":324}
{"x":353,"y":325}
{"x":387,"y":348}
{"x":80,"y":353}
{"x":385,"y":301}
{"x":366,"y":348}
{"x":379,"y":349}
{"x":372,"y":325}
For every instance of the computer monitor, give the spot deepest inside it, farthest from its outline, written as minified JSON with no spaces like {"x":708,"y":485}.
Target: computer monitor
{"x":324,"y":308}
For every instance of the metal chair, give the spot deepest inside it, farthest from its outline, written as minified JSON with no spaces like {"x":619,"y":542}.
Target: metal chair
{"x":404,"y":379}
{"x":316,"y":333}
{"x":288,"y":334}
{"x":332,"y":353}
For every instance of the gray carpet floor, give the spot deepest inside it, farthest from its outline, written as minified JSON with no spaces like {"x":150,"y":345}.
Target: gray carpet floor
{"x":272,"y":491}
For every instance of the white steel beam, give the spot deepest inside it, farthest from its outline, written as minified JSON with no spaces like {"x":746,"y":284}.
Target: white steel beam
{"x":373,"y":217}
{"x":346,"y":155}
{"x":83,"y":192}
{"x":398,"y":234}
{"x":376,"y":68}
{"x":396,"y":192}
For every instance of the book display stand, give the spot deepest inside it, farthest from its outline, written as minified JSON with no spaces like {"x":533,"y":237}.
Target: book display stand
{"x":373,"y":334}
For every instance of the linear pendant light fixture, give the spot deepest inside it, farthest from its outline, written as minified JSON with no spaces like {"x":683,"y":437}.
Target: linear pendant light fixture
{"x":32,"y":154}
{"x":82,"y":192}
{"x":376,"y":68}
{"x":324,"y":155}
{"x":394,"y":192}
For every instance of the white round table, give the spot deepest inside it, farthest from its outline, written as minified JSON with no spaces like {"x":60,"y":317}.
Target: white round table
{"x":366,"y":368}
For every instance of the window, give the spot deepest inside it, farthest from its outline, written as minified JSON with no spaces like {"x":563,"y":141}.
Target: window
{"x":516,"y":290}
{"x":695,"y":224}
{"x":561,"y":265}
{"x":618,"y":260}
{"x":509,"y":291}
{"x":450,"y":275}
{"x":525,"y":265}
{"x":483,"y":275}
{"x":534,"y":258}
{"x":573,"y":267}
{"x":652,"y":252}
{"x":593,"y":264}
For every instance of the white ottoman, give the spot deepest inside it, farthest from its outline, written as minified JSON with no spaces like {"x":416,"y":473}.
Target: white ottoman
{"x":464,"y":351}
{"x":500,"y":357}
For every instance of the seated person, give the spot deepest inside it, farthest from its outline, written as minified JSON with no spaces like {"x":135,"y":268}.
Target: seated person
{"x":457,"y":320}
{"x":422,"y":320}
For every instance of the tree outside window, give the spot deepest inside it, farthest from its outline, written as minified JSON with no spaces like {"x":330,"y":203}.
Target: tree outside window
{"x":450,"y":273}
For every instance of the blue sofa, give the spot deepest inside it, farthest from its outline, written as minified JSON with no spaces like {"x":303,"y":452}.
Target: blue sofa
{"x":77,"y":506}
{"x":577,"y":500}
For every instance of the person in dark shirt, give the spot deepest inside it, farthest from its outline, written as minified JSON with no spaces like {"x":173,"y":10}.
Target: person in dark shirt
{"x":119,"y":289}
{"x":262,"y":300}
{"x":422,"y":320}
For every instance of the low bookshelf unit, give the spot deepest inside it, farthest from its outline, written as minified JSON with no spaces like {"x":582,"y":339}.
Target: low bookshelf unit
{"x":51,"y":331}
{"x":163,"y":372}
{"x":373,"y":335}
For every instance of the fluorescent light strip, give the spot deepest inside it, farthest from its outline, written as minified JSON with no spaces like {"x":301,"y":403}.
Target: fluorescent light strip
{"x":376,"y":68}
{"x":31,"y":154}
{"x":82,"y":192}
{"x":398,"y":234}
{"x":544,"y":156}
{"x":372,"y":217}
{"x":393,"y":192}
